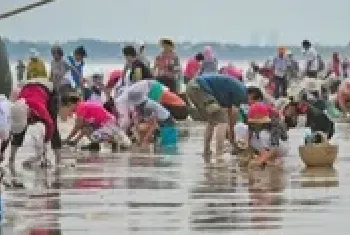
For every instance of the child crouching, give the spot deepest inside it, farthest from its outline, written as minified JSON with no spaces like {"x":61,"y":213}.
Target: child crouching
{"x":265,"y":134}
{"x":92,"y":121}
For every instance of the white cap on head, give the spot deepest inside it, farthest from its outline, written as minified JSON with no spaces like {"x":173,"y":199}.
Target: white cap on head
{"x":19,"y":116}
{"x":34,"y":53}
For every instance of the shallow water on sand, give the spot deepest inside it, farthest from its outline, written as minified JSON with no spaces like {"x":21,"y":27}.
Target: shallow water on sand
{"x":174,"y":193}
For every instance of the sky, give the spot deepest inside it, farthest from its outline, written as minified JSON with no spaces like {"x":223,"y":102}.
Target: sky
{"x":244,"y":22}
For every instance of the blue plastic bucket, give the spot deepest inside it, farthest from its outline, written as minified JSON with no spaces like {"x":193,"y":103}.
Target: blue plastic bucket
{"x":168,"y":135}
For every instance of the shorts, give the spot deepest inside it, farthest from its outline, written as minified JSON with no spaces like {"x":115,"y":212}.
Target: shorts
{"x":110,"y":131}
{"x":203,"y":102}
{"x":178,"y":112}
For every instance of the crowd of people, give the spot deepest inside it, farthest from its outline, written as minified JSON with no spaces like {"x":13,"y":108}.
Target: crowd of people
{"x":141,"y":104}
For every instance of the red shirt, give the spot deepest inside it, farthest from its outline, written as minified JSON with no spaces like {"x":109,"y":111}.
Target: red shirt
{"x":114,"y":77}
{"x":93,"y":113}
{"x":232,"y":71}
{"x":192,"y":68}
{"x":164,"y":64}
{"x":37,"y":99}
{"x":335,"y":67}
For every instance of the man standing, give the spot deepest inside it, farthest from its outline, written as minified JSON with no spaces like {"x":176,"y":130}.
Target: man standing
{"x":142,"y":56}
{"x":74,"y":79}
{"x":20,"y":68}
{"x":292,"y":66}
{"x":279,"y":67}
{"x":5,"y":74}
{"x":135,"y":70}
{"x":311,"y":60}
{"x":59,"y":68}
{"x":167,"y":67}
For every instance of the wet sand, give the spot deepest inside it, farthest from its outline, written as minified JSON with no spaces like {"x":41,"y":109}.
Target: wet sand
{"x":175,"y":193}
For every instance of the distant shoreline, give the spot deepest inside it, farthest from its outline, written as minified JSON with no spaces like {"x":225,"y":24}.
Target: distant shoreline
{"x":111,"y":51}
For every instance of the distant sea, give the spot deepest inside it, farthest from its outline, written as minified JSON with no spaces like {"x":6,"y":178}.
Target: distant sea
{"x":108,"y":52}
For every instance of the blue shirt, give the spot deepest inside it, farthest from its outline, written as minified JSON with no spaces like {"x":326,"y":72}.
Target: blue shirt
{"x":226,"y":90}
{"x":78,"y":67}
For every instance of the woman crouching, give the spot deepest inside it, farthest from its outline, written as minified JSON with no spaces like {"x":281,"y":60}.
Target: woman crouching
{"x":36,"y":102}
{"x":92,"y":121}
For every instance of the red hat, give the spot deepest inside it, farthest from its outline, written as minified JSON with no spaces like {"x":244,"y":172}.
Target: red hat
{"x":114,"y":78}
{"x":259,"y":113}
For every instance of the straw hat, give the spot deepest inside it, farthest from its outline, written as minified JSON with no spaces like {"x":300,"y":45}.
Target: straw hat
{"x":19,"y":116}
{"x":166,"y":41}
{"x":259,"y":113}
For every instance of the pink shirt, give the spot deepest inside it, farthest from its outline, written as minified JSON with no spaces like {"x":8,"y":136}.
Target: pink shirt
{"x":93,"y":113}
{"x":343,"y":95}
{"x":232,"y":72}
{"x":192,"y":68}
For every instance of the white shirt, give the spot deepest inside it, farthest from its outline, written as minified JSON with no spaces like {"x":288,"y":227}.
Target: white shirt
{"x":143,"y":86}
{"x":261,"y":143}
{"x":311,"y":56}
{"x":280,"y":66}
{"x":241,"y":132}
{"x":153,"y":109}
{"x":4,"y":117}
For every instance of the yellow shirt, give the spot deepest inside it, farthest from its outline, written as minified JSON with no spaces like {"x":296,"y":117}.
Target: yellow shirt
{"x":36,"y":69}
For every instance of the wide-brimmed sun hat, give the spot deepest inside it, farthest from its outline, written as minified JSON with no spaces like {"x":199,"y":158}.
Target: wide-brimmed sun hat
{"x":166,"y":41}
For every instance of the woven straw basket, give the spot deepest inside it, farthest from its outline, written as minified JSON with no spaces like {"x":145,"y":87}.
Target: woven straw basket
{"x":318,"y":155}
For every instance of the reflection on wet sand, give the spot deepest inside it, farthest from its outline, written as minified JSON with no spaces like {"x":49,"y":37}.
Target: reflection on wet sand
{"x":175,"y":192}
{"x":319,"y":177}
{"x":265,"y":187}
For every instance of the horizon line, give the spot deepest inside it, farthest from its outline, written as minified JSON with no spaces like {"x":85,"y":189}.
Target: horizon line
{"x":156,"y":42}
